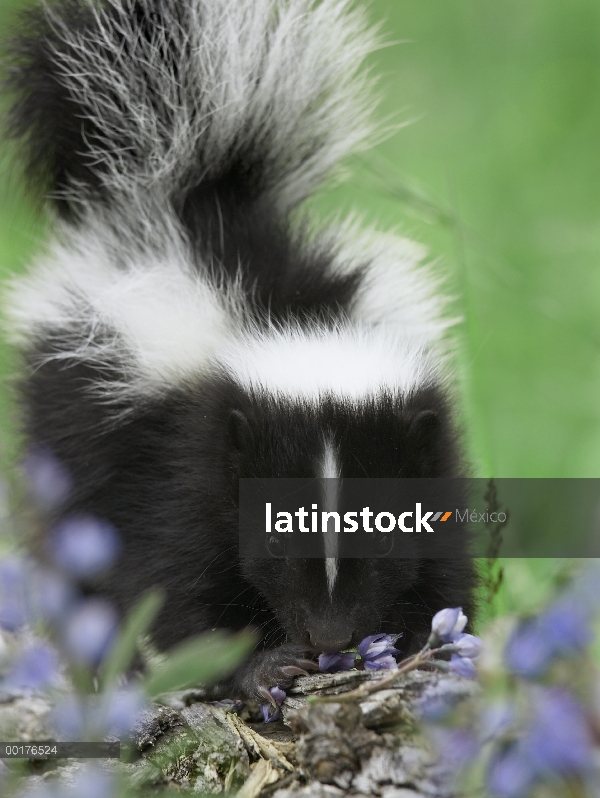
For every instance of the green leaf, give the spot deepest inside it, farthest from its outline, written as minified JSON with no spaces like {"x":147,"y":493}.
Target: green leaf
{"x":136,"y":625}
{"x":199,"y":660}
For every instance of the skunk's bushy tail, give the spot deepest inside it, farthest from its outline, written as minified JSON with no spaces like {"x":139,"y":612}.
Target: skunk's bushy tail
{"x":175,"y":137}
{"x":121,"y":101}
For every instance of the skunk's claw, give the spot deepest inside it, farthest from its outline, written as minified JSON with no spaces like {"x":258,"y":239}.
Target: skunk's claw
{"x":294,"y":670}
{"x":266,"y":694}
{"x":274,"y":667}
{"x":308,"y":664}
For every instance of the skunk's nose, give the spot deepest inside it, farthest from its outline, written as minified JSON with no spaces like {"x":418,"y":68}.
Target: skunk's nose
{"x":328,"y":643}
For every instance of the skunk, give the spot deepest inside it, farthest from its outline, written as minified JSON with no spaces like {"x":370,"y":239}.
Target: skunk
{"x":189,"y":323}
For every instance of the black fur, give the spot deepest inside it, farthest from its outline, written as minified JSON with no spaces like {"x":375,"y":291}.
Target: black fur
{"x":52,"y":130}
{"x":168,"y":480}
{"x":283,"y":272}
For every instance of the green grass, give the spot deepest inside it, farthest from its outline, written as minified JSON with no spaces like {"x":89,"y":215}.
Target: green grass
{"x":499,"y":174}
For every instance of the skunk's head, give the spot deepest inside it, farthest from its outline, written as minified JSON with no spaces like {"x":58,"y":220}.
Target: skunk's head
{"x":323,"y":406}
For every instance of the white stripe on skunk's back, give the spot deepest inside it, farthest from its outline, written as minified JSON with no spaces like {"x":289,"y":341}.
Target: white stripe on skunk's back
{"x":399,"y":287}
{"x":144,"y":308}
{"x":97,"y":298}
{"x":350,"y":362}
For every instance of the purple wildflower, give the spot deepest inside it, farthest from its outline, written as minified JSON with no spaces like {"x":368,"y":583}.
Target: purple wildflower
{"x":456,"y":748}
{"x":377,"y":651}
{"x":559,"y":739}
{"x":382,"y":662}
{"x":85,"y":546}
{"x":529,"y":651}
{"x":332,"y":663}
{"x":92,"y":782}
{"x":447,"y":625}
{"x":270,"y":713}
{"x":89,"y":631}
{"x":14,"y":593}
{"x":34,"y":668}
{"x":562,"y":630}
{"x":48,"y":479}
{"x":52,"y":596}
{"x":468,"y":646}
{"x":122,"y":710}
{"x":68,"y":718}
{"x":278,"y":694}
{"x":566,"y":624}
{"x":463,"y":666}
{"x":375,"y":645}
{"x":510,"y":774}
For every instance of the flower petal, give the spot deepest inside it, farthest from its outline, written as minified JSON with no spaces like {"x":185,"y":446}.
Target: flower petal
{"x":384,"y":661}
{"x":559,"y":739}
{"x":122,"y":710}
{"x":510,"y":775}
{"x":89,"y":631}
{"x":468,"y":646}
{"x":333,"y":663}
{"x":48,"y":479}
{"x":529,"y":650}
{"x":34,"y":668}
{"x":85,"y":546}
{"x":448,"y":622}
{"x":278,"y":694}
{"x":463,"y":666}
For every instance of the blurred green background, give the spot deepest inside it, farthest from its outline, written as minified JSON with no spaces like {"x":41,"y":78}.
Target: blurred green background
{"x":498,"y":172}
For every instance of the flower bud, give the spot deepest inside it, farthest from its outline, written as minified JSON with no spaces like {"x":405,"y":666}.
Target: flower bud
{"x":468,"y":646}
{"x":447,"y":624}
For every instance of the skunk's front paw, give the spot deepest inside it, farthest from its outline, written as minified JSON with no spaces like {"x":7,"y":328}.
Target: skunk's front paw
{"x":277,"y":666}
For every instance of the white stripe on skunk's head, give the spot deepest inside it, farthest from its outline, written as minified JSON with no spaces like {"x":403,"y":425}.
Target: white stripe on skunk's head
{"x":330,"y":473}
{"x":349,"y":363}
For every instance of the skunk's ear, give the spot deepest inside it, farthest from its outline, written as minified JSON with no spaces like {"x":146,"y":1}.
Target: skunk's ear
{"x":425,"y":427}
{"x":238,"y":430}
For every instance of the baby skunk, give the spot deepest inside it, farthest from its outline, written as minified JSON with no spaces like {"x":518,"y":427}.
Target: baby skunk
{"x":188,"y":325}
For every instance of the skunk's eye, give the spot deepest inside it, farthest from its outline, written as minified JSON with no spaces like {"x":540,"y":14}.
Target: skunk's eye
{"x":275,"y":546}
{"x":384,"y":544}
